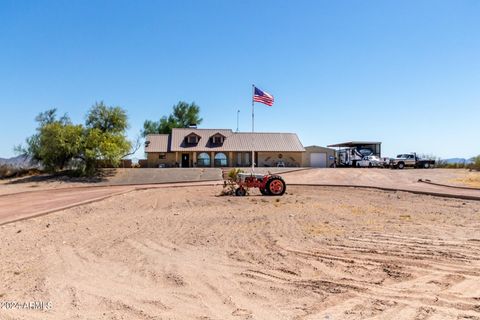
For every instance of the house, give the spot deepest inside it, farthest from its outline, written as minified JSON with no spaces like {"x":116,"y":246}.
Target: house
{"x":192,"y":147}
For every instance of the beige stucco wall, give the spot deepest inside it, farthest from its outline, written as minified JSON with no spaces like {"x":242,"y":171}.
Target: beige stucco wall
{"x":270,"y":159}
{"x":314,"y":149}
{"x":153,"y":159}
{"x":245,"y":159}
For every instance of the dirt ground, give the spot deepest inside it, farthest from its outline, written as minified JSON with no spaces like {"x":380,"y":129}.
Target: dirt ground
{"x":407,"y":178}
{"x":315,"y":253}
{"x":471,"y":179}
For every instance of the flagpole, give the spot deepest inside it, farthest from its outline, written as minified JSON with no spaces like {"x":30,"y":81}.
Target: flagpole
{"x":253,"y":129}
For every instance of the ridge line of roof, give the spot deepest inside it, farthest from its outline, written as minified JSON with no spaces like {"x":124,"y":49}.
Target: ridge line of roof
{"x":215,"y":129}
{"x":200,"y":129}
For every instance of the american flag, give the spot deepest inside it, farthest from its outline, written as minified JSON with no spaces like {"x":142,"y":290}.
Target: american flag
{"x":263,"y":97}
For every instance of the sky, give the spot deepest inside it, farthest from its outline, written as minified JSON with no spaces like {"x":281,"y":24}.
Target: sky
{"x":406,"y":73}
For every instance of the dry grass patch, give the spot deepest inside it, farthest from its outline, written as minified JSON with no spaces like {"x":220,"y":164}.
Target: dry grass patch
{"x":471,"y":179}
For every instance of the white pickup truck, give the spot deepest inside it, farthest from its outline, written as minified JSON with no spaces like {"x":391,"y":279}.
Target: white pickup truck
{"x":411,"y":160}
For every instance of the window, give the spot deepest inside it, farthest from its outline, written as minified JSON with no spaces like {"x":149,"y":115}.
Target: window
{"x":220,"y":160}
{"x":217,"y":140}
{"x":192,"y":139}
{"x":203,"y":160}
{"x":365,"y":151}
{"x":162,"y":156}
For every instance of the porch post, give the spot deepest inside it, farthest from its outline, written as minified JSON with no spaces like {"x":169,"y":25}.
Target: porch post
{"x":194,"y":164}
{"x":212,"y":159}
{"x":231,"y":163}
{"x":176,"y":158}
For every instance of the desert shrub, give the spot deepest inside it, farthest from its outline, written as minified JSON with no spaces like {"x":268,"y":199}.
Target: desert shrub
{"x":439,"y":163}
{"x":475,"y":165}
{"x":7,"y":171}
{"x":229,"y":184}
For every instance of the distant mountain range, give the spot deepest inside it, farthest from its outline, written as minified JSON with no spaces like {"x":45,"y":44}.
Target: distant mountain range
{"x":458,"y":160}
{"x":19,"y":162}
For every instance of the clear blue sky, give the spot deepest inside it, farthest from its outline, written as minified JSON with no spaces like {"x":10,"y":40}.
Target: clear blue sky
{"x":406,"y":73}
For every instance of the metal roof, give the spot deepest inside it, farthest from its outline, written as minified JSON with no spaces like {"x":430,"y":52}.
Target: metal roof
{"x":157,"y":143}
{"x":234,"y":141}
{"x":314,"y":147}
{"x":353,"y":143}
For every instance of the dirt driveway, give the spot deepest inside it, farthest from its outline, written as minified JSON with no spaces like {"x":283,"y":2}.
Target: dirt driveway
{"x":406,"y":179}
{"x":48,"y":197}
{"x":315,"y":253}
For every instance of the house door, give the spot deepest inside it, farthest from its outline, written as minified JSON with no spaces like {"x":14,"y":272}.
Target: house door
{"x":185,"y":160}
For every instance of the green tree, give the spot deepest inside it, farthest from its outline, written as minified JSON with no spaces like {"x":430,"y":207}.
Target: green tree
{"x":107,"y":119}
{"x":58,"y":143}
{"x":182,"y":116}
{"x":105,"y":136}
{"x":104,"y":146}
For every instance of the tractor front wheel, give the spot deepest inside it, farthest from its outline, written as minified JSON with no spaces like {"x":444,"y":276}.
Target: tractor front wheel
{"x":240,"y":192}
{"x":276,"y":186}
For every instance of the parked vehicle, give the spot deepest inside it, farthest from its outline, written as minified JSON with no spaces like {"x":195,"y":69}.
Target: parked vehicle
{"x":349,"y":157}
{"x":370,"y":161}
{"x":386,"y":162}
{"x":410,"y":160}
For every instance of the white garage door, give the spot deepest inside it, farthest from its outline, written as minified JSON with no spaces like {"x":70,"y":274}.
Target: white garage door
{"x":318,"y":159}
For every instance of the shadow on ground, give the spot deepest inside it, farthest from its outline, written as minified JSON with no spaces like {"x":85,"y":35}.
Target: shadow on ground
{"x":67,"y":176}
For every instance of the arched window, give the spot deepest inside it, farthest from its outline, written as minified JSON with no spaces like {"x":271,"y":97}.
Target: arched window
{"x":220,"y":160}
{"x":203,"y":160}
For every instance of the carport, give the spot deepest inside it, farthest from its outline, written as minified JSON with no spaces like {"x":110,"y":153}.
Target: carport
{"x":349,"y":153}
{"x":376,"y":147}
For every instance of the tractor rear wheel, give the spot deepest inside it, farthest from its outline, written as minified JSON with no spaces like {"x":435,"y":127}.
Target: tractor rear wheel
{"x":276,"y":186}
{"x":240,"y":192}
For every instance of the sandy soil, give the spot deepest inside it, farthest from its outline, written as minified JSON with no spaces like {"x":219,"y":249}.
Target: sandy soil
{"x":471,"y":179}
{"x":364,"y":176}
{"x":8,"y":186}
{"x":406,"y":178}
{"x":315,"y":253}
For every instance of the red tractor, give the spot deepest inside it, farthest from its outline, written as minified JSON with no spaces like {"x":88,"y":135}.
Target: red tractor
{"x":269,"y":185}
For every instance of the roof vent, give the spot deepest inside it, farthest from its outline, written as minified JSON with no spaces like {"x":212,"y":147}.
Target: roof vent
{"x":192,"y":125}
